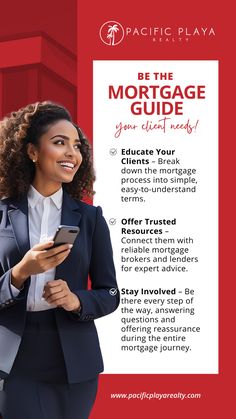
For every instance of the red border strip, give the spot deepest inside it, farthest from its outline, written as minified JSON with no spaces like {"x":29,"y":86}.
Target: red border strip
{"x":217,"y":392}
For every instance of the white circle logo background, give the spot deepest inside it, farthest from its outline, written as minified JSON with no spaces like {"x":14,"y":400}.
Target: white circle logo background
{"x":111,"y":33}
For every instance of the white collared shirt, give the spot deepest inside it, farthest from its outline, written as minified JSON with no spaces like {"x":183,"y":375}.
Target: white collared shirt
{"x":44,"y":215}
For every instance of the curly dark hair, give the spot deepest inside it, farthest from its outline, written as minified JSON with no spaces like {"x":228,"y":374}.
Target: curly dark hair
{"x":25,"y":126}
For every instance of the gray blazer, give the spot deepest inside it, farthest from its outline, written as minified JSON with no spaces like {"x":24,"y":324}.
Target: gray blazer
{"x":91,"y":255}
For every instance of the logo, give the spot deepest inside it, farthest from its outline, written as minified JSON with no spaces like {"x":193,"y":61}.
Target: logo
{"x":111,"y":33}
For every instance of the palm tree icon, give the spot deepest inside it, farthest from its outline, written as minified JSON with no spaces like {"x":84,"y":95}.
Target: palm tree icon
{"x":111,"y":33}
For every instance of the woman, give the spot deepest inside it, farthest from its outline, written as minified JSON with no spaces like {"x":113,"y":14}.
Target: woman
{"x":49,"y":351}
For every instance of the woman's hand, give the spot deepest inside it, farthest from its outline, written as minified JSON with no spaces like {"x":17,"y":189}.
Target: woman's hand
{"x":40,"y":258}
{"x":58,"y":293}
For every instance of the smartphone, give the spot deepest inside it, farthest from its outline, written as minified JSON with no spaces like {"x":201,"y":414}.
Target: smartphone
{"x":65,"y":234}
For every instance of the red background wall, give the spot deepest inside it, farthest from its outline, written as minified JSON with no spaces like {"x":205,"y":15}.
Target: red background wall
{"x":38,"y":53}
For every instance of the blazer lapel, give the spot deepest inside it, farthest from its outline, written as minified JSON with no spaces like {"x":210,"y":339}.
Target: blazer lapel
{"x":18,"y":216}
{"x":70,"y":215}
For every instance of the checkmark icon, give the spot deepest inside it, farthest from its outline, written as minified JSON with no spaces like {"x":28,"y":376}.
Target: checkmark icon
{"x":112,"y":291}
{"x":113,"y":151}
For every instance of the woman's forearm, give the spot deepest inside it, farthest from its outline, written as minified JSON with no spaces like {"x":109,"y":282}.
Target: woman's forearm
{"x":17,"y":277}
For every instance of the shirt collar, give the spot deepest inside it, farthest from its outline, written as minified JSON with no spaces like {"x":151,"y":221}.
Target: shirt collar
{"x":34,"y":197}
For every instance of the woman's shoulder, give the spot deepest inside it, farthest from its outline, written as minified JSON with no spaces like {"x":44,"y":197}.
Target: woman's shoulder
{"x":93,"y":213}
{"x":88,"y":208}
{"x":13,"y":202}
{"x":4,"y":202}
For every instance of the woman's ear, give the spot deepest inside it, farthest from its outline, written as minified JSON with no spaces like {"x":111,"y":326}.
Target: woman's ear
{"x":32,"y":152}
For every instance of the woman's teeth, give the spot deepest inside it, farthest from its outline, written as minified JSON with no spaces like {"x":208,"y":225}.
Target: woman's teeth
{"x":67,"y":165}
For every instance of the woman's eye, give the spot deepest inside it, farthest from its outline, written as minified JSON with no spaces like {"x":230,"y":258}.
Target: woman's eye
{"x":62,"y":142}
{"x":59,"y":142}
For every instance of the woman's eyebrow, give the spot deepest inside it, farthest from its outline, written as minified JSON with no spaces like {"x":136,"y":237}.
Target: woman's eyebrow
{"x":64,"y":137}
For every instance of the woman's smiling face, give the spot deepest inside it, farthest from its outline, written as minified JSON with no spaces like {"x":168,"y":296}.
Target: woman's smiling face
{"x":57,"y":157}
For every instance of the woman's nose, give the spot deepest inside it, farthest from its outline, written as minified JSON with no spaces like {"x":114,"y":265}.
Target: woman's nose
{"x":70,"y":150}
